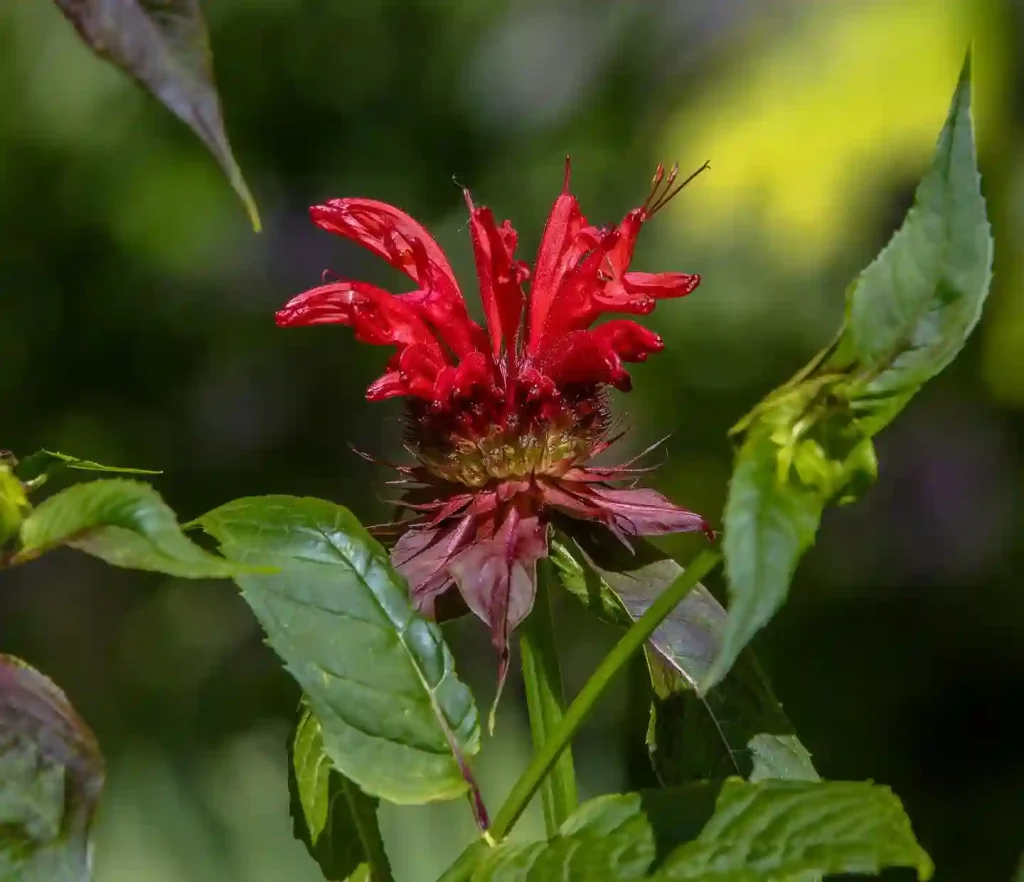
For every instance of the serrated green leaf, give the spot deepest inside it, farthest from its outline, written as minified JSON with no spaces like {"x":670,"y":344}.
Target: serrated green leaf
{"x":781,"y":829}
{"x":738,"y":727}
{"x":123,"y":522}
{"x":911,"y":311}
{"x":615,"y":838}
{"x":44,"y":462}
{"x":51,"y":777}
{"x":809,"y":442}
{"x":164,"y":45}
{"x":378,"y":675}
{"x":731,"y":831}
{"x":332,"y":816}
{"x":769,"y":523}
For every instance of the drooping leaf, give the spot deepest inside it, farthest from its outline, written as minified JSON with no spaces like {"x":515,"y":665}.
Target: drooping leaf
{"x":911,"y":311}
{"x":620,"y":587}
{"x":332,"y":816}
{"x":737,"y":728}
{"x":51,"y":777}
{"x":123,"y":522}
{"x":769,"y":523}
{"x":164,"y":45}
{"x":731,"y":831}
{"x":45,"y":462}
{"x":377,"y":675}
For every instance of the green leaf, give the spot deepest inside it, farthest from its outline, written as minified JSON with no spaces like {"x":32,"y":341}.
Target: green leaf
{"x":332,"y":816}
{"x":738,"y":727}
{"x":14,"y":504}
{"x":51,"y":777}
{"x":123,"y":522}
{"x":780,"y":829}
{"x":45,"y":462}
{"x":164,"y":45}
{"x":612,"y":838}
{"x":911,"y":311}
{"x":809,"y":442}
{"x":731,"y":831}
{"x":378,"y":675}
{"x":769,"y":523}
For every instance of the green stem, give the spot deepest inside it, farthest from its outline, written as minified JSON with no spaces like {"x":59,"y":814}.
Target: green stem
{"x":631,"y":642}
{"x":545,"y":700}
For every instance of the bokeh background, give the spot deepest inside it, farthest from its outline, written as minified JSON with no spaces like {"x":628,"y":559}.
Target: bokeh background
{"x":136,"y":328}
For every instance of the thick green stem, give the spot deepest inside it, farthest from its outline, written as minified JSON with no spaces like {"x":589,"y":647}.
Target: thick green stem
{"x":632,"y":641}
{"x":545,"y":700}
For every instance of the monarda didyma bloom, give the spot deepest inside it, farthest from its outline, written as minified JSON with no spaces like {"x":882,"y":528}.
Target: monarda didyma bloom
{"x":504,"y":420}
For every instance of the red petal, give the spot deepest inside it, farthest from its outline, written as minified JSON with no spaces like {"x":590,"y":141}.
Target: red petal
{"x":630,"y":341}
{"x":579,"y":358}
{"x":443,"y":307}
{"x":386,"y":231}
{"x":501,"y":278}
{"x":661,"y":285}
{"x":377,"y":316}
{"x":560,"y":232}
{"x":601,"y":284}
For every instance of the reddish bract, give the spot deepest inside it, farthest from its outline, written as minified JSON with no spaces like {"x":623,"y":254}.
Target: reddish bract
{"x":503,"y":419}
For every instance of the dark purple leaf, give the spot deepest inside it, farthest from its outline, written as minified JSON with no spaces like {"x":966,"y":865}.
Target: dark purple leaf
{"x":165,"y":46}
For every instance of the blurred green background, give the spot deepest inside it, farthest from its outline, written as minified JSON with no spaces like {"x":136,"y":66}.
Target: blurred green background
{"x":136,"y":328}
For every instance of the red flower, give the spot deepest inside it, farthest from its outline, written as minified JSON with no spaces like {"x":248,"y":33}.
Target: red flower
{"x":503,"y":419}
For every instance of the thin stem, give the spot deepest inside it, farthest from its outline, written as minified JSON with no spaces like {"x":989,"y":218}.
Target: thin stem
{"x":545,"y":700}
{"x":610,"y":665}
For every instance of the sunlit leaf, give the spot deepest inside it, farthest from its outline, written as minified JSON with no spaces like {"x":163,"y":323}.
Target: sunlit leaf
{"x":332,"y":816}
{"x":737,"y":728}
{"x":14,"y":504}
{"x":123,"y":522}
{"x":45,"y":462}
{"x":731,"y":831}
{"x":911,"y":311}
{"x":51,"y":777}
{"x":377,"y":675}
{"x":165,"y":46}
{"x":908,"y":315}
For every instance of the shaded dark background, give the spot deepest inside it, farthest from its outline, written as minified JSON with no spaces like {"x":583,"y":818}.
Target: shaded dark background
{"x":136,"y":328}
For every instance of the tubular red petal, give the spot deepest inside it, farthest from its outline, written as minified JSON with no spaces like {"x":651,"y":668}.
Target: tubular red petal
{"x":445,"y":310}
{"x":386,"y":231}
{"x":501,"y":277}
{"x":630,"y":341}
{"x":579,"y":358}
{"x":323,"y":305}
{"x":661,"y":286}
{"x":561,"y":231}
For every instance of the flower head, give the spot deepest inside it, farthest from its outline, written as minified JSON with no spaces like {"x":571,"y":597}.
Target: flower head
{"x":504,"y":418}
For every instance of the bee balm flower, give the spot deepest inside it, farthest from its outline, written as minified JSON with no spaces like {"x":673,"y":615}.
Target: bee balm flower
{"x":504,"y":419}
